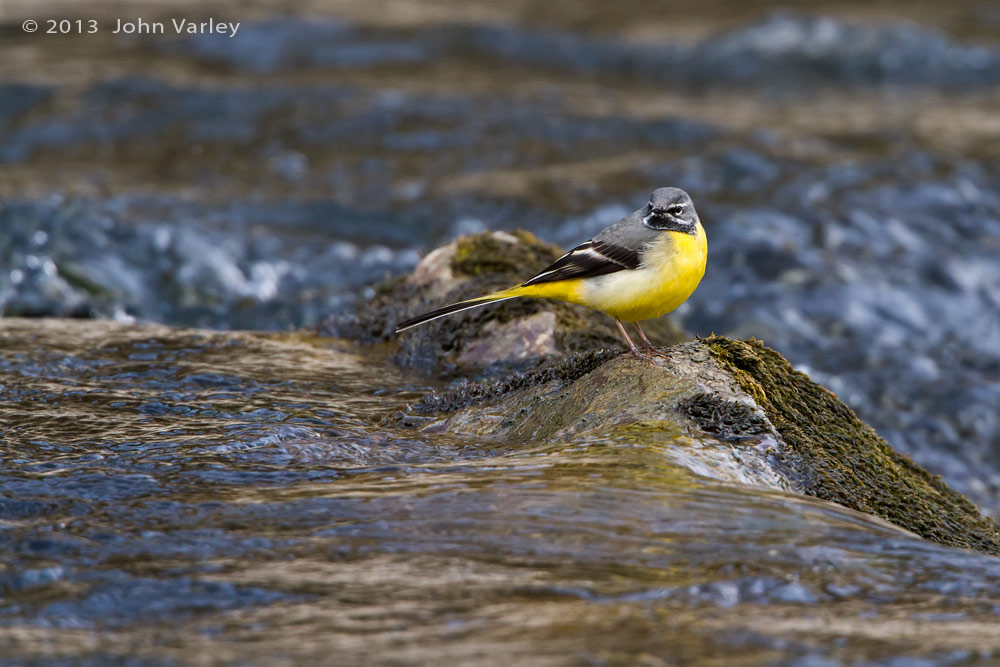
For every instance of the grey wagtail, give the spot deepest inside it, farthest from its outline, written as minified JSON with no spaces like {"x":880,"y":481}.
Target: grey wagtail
{"x":641,"y":267}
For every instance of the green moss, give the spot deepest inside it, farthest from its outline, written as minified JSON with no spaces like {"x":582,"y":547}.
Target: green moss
{"x":485,"y":254}
{"x":833,"y":455}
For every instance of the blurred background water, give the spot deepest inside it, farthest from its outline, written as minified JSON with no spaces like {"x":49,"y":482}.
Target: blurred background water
{"x":845,"y":158}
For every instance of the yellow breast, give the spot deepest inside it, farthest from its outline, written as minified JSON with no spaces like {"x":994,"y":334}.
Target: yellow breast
{"x":671,"y":269}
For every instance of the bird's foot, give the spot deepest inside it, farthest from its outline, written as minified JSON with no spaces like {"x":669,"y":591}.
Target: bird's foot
{"x":648,"y":344}
{"x":643,"y":355}
{"x":656,"y":352}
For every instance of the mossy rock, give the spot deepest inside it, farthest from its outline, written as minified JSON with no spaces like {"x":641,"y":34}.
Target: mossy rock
{"x":831,"y":454}
{"x":490,"y":255}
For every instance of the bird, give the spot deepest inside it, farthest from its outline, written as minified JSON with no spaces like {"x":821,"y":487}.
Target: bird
{"x":641,"y":267}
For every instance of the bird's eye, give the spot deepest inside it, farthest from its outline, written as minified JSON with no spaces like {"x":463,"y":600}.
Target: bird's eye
{"x":675,"y":210}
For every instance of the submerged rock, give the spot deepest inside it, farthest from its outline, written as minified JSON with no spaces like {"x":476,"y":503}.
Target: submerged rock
{"x":773,"y":426}
{"x":517,"y":332}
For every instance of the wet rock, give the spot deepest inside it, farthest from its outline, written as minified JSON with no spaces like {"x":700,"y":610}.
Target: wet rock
{"x":831,"y":454}
{"x":532,"y":336}
{"x":780,"y":429}
{"x":468,"y":393}
{"x":508,"y":333}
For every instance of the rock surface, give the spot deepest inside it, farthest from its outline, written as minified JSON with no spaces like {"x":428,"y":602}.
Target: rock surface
{"x":775,"y":427}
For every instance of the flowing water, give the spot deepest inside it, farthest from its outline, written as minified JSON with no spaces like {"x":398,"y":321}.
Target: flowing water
{"x":202,"y":497}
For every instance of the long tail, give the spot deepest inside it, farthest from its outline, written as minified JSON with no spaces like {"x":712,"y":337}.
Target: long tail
{"x":502,"y":295}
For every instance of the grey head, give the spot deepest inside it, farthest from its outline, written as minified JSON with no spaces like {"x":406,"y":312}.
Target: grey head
{"x":670,"y":209}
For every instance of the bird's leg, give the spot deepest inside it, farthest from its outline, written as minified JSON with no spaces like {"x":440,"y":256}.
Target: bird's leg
{"x":631,"y":345}
{"x":628,"y":340}
{"x":646,"y":341}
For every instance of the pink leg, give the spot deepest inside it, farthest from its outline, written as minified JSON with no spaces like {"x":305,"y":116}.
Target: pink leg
{"x":635,"y":351}
{"x":649,"y":345}
{"x":643,"y":336}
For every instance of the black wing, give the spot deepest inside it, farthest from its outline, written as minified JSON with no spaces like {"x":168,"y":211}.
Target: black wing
{"x":592,"y":258}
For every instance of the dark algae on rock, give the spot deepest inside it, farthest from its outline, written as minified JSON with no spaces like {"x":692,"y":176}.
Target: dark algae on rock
{"x":565,"y":371}
{"x":726,"y":420}
{"x":831,"y":454}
